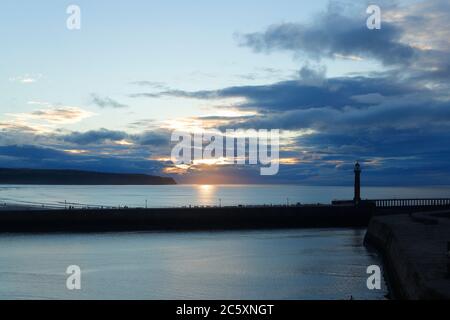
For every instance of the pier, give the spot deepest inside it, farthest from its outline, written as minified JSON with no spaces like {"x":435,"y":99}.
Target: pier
{"x":185,"y":219}
{"x":416,"y":251}
{"x":76,"y":217}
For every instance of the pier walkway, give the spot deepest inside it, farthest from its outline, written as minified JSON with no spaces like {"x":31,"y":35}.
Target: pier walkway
{"x":416,"y":251}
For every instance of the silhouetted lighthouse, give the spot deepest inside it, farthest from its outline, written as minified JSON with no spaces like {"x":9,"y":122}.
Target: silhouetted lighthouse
{"x":357,"y":198}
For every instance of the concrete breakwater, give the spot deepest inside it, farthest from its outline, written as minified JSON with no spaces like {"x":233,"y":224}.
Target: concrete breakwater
{"x":415,"y":251}
{"x":213,"y":218}
{"x":195,"y":218}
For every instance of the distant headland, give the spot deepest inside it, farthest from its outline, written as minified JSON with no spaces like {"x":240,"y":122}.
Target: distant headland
{"x":77,"y":177}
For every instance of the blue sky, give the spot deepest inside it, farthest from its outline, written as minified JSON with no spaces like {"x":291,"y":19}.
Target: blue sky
{"x":106,"y":97}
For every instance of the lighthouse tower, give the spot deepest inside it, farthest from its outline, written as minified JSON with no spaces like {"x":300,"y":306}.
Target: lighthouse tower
{"x":357,"y":198}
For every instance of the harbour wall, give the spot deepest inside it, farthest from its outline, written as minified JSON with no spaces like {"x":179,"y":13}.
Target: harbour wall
{"x":207,"y":218}
{"x":414,"y":250}
{"x":214,"y":218}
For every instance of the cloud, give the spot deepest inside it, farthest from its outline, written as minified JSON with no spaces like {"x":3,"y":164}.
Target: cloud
{"x":415,"y":35}
{"x":40,"y":103}
{"x":94,"y":136}
{"x":26,"y":79}
{"x":332,"y":35}
{"x":173,"y":93}
{"x":312,"y":76}
{"x":312,"y":91}
{"x":153,"y":84}
{"x":17,"y":127}
{"x":386,"y":122}
{"x":56,"y":115}
{"x":28,"y":156}
{"x":152,"y":138}
{"x":409,"y":111}
{"x":105,"y":137}
{"x":395,"y":121}
{"x":45,"y":119}
{"x":106,"y":102}
{"x":425,"y":23}
{"x":60,"y":115}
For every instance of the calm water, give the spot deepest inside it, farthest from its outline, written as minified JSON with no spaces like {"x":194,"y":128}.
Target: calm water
{"x":295,"y":264}
{"x":181,"y":195}
{"x":289,"y":264}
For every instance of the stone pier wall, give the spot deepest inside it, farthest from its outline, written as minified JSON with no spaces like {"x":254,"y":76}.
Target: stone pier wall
{"x":414,"y":248}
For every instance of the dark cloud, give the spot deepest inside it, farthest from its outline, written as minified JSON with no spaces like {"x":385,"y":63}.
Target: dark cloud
{"x":333,"y":34}
{"x":173,"y":93}
{"x":401,"y":112}
{"x":106,"y":102}
{"x":312,"y":76}
{"x":26,"y":156}
{"x":152,"y":138}
{"x":302,"y":94}
{"x":104,"y":137}
{"x":94,"y":136}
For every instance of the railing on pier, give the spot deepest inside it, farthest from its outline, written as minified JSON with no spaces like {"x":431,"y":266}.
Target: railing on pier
{"x":383,"y":203}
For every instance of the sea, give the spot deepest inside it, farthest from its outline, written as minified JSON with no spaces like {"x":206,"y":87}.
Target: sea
{"x":307,"y":264}
{"x":200,"y":195}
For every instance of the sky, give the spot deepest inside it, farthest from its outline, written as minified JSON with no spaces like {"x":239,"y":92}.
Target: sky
{"x":108,"y":96}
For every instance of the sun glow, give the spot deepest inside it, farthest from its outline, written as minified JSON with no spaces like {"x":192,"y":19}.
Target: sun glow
{"x":75,"y":151}
{"x":206,"y":189}
{"x":212,"y":161}
{"x":123,"y":142}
